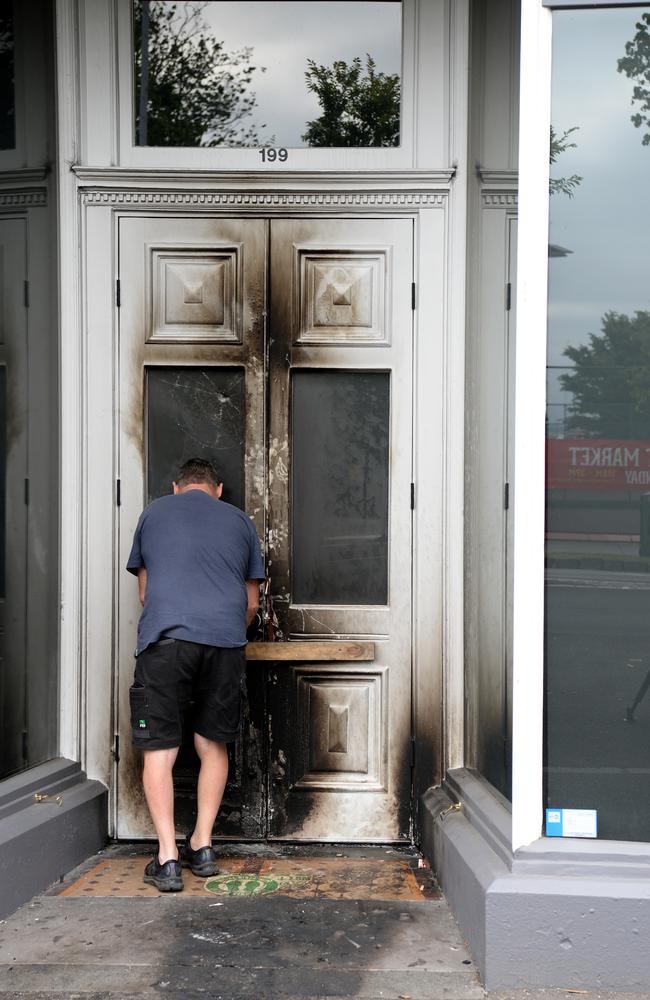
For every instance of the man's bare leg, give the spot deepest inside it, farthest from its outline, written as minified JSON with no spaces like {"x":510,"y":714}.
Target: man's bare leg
{"x":212,"y":781}
{"x":159,"y":792}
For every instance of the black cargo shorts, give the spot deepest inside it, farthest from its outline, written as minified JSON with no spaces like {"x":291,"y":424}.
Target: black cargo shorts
{"x":172,"y":673}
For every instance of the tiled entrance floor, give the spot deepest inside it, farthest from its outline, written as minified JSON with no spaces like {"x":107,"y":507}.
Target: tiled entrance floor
{"x":286,"y":922}
{"x":302,"y":877}
{"x":281,"y":922}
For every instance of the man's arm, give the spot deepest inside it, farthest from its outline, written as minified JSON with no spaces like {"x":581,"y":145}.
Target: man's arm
{"x":142,"y":583}
{"x":253,"y":594}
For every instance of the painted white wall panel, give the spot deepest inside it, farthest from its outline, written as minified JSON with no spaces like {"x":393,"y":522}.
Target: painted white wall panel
{"x":98,"y":82}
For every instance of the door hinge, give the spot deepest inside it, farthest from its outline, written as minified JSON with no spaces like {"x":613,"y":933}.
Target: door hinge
{"x":27,"y":493}
{"x":412,"y":751}
{"x":116,"y":748}
{"x":26,"y":293}
{"x":508,"y":296}
{"x":412,"y":295}
{"x":506,"y":496}
{"x":118,"y":492}
{"x":412,"y":496}
{"x":118,"y":294}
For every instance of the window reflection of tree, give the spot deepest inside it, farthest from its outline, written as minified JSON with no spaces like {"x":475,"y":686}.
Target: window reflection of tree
{"x":189,"y":91}
{"x":360,"y":106}
{"x":610,"y":379}
{"x":635,"y":64}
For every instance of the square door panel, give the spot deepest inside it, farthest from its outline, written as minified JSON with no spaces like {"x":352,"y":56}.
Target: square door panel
{"x":341,"y":728}
{"x":193,"y":295}
{"x":342,"y":296}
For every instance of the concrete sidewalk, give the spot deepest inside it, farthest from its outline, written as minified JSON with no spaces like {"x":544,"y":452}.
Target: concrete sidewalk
{"x":281,"y":922}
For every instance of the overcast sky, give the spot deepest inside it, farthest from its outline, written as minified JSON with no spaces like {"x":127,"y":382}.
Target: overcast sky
{"x":607,"y":222}
{"x":285,"y":34}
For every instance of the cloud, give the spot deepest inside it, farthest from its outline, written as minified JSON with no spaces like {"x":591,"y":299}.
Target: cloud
{"x":607,"y":223}
{"x":286,"y":33}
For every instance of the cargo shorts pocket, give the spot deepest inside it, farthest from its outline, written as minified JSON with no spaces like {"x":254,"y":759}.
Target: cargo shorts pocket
{"x":139,"y":711}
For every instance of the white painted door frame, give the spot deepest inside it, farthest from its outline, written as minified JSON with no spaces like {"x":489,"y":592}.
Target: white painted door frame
{"x":100,"y":214}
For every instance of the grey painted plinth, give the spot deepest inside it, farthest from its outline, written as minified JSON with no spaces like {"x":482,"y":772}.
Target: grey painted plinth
{"x":570,"y":913}
{"x":41,"y":841}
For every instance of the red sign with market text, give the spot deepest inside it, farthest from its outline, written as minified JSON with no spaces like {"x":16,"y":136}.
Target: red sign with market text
{"x":579,"y":463}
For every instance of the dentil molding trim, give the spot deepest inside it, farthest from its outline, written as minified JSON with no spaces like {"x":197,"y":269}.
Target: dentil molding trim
{"x":499,"y":199}
{"x":498,"y":187}
{"x":263,"y":189}
{"x":266,"y":199}
{"x":36,"y":198}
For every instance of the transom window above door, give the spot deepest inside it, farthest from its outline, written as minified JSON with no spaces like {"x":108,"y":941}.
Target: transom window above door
{"x":272,"y":76}
{"x":245,"y":86}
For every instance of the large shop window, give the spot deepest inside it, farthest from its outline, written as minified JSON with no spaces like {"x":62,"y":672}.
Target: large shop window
{"x":29,"y":420}
{"x":258,"y":74}
{"x":598,"y":421}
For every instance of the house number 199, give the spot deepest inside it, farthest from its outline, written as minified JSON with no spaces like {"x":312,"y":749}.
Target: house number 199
{"x":270,"y":155}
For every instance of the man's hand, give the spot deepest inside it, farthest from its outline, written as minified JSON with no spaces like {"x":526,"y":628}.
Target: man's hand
{"x":253,"y":593}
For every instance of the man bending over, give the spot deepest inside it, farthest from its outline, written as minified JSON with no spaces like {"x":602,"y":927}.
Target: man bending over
{"x":199,"y":566}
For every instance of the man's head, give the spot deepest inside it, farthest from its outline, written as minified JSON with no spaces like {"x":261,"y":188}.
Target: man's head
{"x":198,"y":474}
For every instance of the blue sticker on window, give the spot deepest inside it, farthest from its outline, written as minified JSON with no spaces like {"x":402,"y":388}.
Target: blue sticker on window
{"x":571,"y":823}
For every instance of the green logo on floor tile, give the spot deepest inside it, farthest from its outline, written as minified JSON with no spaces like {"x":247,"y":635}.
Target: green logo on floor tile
{"x":255,"y":885}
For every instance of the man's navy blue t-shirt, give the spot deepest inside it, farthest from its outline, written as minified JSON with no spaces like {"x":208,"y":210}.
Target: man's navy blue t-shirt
{"x":198,"y":553}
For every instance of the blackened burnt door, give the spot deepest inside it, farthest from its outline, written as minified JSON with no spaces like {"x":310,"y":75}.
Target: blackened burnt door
{"x":309,"y":419}
{"x":192,"y":382}
{"x":339,"y":516}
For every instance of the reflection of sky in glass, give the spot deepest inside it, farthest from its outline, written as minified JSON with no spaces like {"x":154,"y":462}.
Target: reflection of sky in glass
{"x":598,"y":477}
{"x":606,"y":224}
{"x":285,"y":34}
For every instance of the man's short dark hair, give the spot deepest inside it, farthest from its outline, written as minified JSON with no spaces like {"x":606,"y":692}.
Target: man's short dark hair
{"x":197,"y":470}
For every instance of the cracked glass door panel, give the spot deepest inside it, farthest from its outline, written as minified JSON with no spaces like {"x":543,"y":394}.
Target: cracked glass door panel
{"x":196,"y":411}
{"x":340,"y":525}
{"x":339,"y":440}
{"x":191,"y":385}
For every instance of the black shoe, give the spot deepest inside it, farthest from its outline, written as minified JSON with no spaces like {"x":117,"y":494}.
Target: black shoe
{"x":167,"y":877}
{"x":203,"y":861}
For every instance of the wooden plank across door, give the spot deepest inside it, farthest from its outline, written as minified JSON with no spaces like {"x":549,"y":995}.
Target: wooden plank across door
{"x":310,"y":651}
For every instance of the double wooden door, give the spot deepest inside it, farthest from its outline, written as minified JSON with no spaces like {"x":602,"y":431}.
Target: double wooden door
{"x":282,"y":350}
